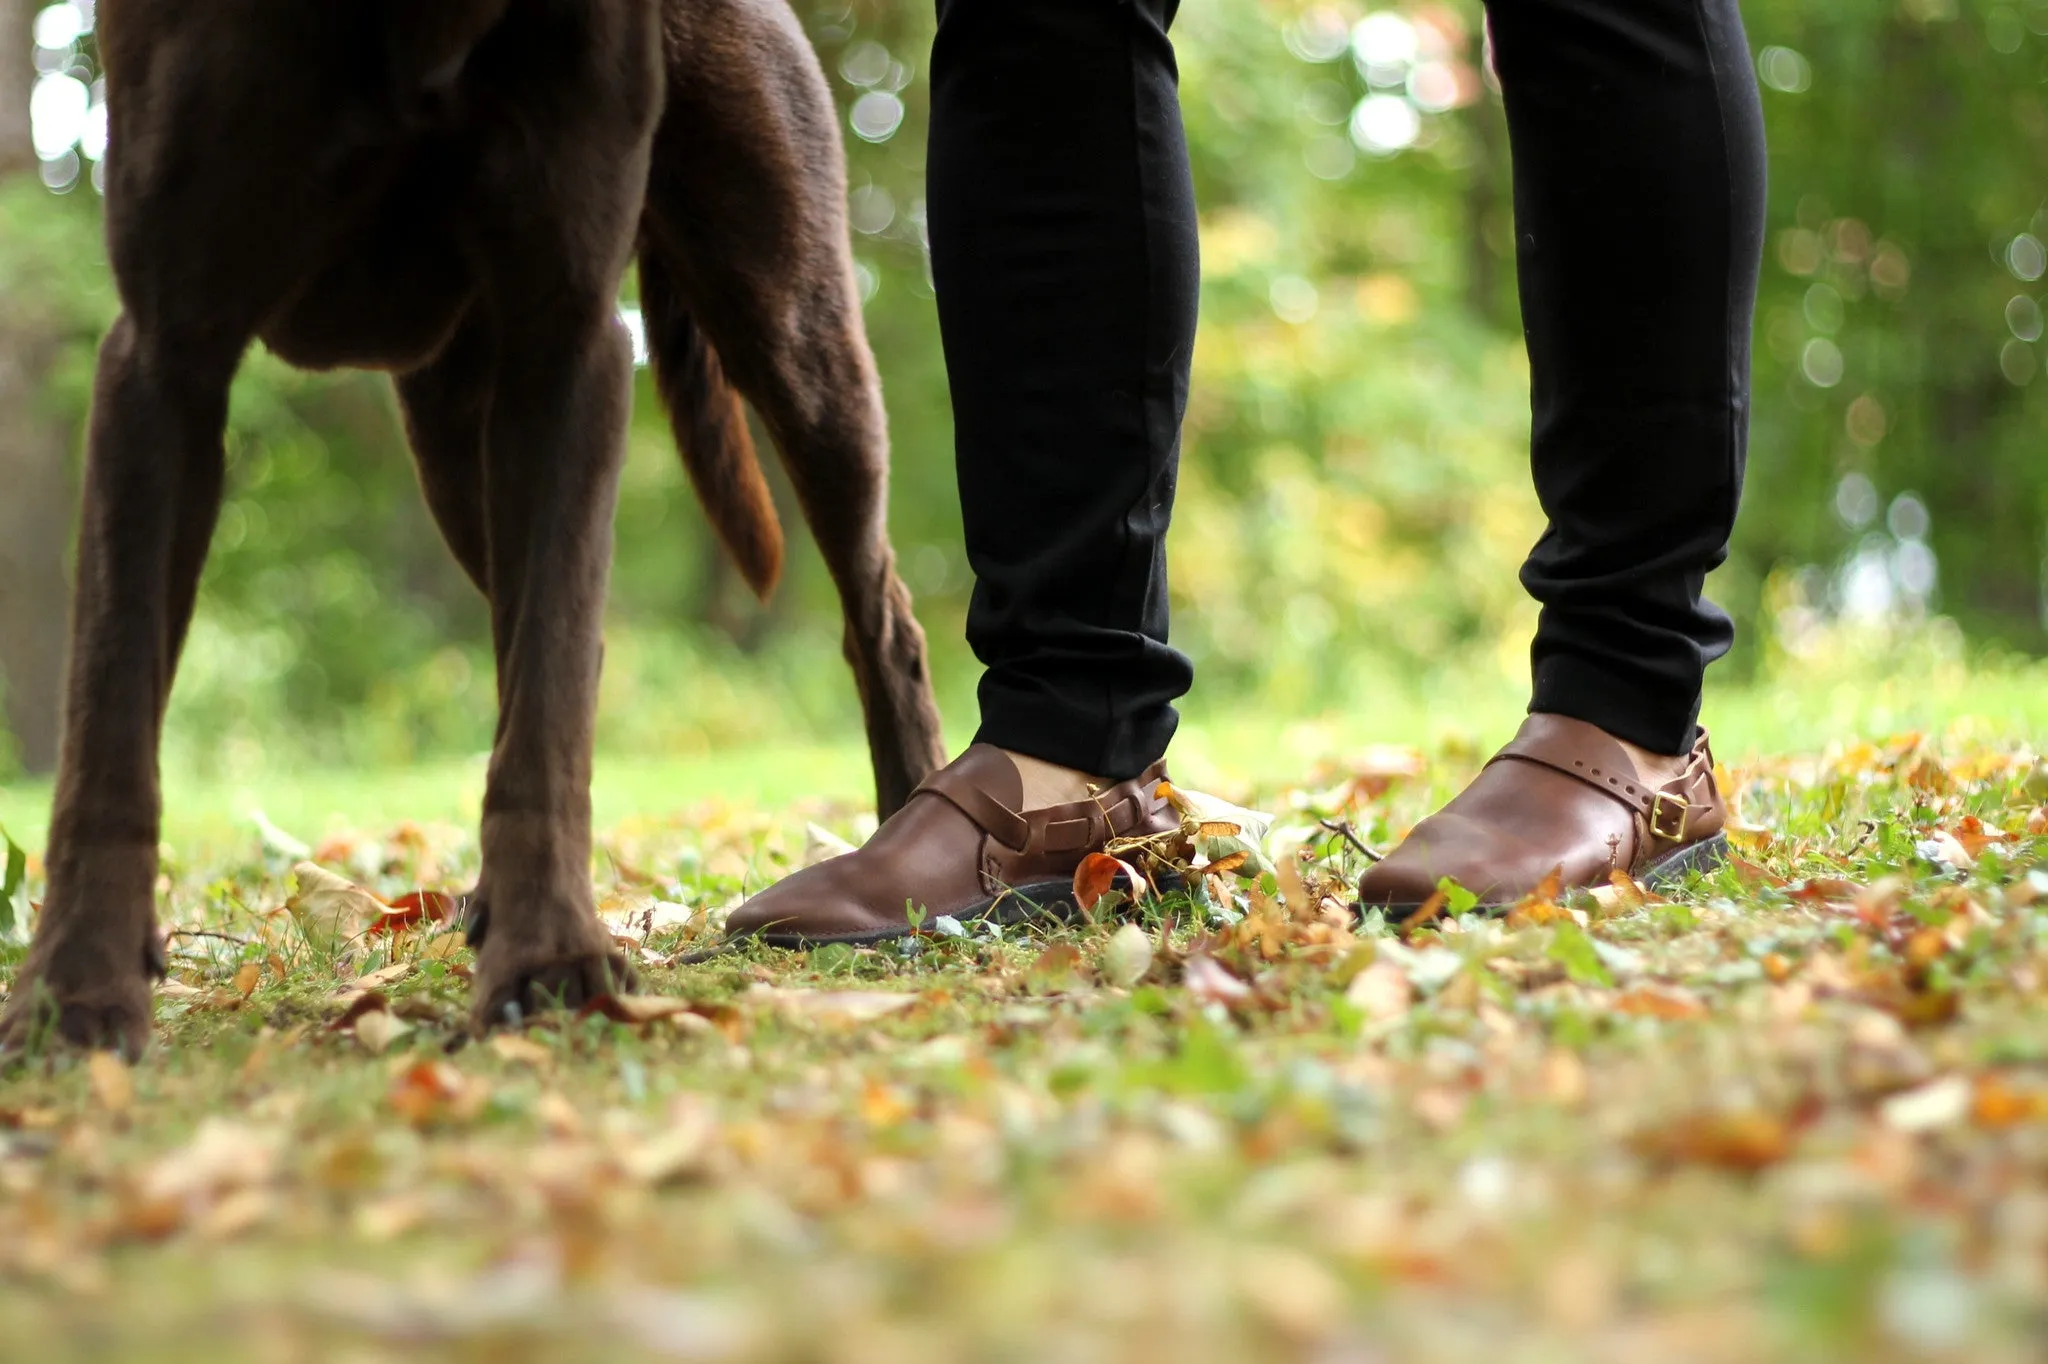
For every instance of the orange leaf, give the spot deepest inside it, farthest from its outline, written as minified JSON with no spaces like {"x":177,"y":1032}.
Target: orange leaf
{"x":432,"y":1092}
{"x":1645,"y":1002}
{"x":416,"y":908}
{"x":1426,"y":911}
{"x":1744,"y":1141}
{"x":1223,"y":866}
{"x":1097,"y":876}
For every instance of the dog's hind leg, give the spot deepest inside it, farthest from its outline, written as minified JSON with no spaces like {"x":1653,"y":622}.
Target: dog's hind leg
{"x":152,"y":492}
{"x":746,"y":237}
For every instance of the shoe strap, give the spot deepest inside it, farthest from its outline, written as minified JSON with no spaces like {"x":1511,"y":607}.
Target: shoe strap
{"x":1062,"y":828}
{"x":1665,"y":812}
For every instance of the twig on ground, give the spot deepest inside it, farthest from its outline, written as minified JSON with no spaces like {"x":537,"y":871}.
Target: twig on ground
{"x":205,"y":933}
{"x":1342,"y":828}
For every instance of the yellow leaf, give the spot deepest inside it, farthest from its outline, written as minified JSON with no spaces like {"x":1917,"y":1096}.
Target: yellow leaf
{"x":112,"y":1083}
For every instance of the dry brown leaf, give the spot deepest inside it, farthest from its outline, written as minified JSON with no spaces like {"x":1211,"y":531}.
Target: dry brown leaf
{"x":1381,"y":991}
{"x":832,"y":1007}
{"x":1056,"y":971}
{"x":377,"y":1029}
{"x":640,"y":1010}
{"x":1743,"y":1141}
{"x":1645,"y":1001}
{"x":381,"y":977}
{"x":678,"y":1151}
{"x":510,"y":1046}
{"x":247,"y":977}
{"x":1211,"y":982}
{"x":359,"y":1006}
{"x":431,"y":1093}
{"x":328,"y":909}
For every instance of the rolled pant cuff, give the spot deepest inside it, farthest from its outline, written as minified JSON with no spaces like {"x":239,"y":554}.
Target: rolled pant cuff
{"x":1651,"y":718}
{"x":1042,"y":728}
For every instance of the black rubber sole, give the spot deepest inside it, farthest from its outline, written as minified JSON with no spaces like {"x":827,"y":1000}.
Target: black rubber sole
{"x":1704,"y":856}
{"x":1038,"y":902}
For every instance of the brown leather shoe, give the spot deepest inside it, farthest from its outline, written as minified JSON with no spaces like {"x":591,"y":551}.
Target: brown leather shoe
{"x":1562,"y":795}
{"x":960,"y":848}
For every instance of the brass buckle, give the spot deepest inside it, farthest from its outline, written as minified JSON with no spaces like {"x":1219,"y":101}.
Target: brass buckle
{"x":1684,"y":807}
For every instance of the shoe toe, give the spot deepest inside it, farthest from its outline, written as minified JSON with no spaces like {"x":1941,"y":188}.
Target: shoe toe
{"x":1434,"y":849}
{"x":808,"y":904}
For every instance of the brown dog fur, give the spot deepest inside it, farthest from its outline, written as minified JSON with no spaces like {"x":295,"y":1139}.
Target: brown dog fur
{"x":451,"y":190}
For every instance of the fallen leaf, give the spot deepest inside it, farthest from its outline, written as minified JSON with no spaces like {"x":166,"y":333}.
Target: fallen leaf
{"x":1645,"y":1001}
{"x":431,"y":1093}
{"x":247,"y":977}
{"x":1425,"y":912}
{"x":360,"y":1006}
{"x":1744,"y":1141}
{"x":678,"y":1151}
{"x":410,"y":911}
{"x":639,"y":1010}
{"x":1381,"y":991}
{"x":1127,"y":956}
{"x":1937,"y":1104}
{"x":1996,"y":1105}
{"x":510,"y":1046}
{"x":832,"y":1007}
{"x":821,"y":844}
{"x":1211,"y":982}
{"x":1056,"y":971}
{"x":113,"y":1084}
{"x":382,"y":976}
{"x":1099,"y":873}
{"x":328,"y":909}
{"x":376,"y":1030}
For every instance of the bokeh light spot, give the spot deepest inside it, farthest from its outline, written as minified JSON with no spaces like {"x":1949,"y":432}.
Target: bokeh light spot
{"x":2026,"y":257}
{"x":1384,"y":124}
{"x":1821,"y":362}
{"x":1785,"y":70}
{"x":2023,"y":316}
{"x":876,"y":116}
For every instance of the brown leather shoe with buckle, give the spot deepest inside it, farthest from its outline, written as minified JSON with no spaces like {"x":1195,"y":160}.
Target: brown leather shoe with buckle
{"x":1563,"y":796}
{"x":961,"y":848}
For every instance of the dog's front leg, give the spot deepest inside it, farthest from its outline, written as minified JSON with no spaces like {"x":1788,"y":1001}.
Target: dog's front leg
{"x":152,"y":492}
{"x":553,"y":447}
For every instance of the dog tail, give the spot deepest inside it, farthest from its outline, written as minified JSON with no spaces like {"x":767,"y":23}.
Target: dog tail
{"x":711,"y":432}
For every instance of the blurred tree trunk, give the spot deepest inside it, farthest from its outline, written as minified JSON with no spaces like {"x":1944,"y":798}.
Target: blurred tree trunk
{"x":35,"y":481}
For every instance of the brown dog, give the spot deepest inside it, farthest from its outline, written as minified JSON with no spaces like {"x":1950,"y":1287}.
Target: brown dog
{"x":451,"y":190}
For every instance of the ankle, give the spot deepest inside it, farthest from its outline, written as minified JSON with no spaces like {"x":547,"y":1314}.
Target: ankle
{"x":1047,"y":784}
{"x":1658,"y":769}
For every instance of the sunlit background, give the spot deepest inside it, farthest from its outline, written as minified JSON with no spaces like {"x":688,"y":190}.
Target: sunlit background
{"x":1355,"y":499}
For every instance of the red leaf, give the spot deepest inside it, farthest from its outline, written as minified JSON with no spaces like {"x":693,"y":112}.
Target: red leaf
{"x":421,"y":906}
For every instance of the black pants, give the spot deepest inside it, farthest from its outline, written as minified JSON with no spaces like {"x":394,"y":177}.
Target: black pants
{"x":1064,"y":248}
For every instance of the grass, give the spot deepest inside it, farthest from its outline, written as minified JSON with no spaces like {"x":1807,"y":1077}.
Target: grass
{"x":1798,"y":1111}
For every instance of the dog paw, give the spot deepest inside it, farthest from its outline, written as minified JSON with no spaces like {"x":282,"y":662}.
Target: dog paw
{"x":115,"y":1014}
{"x":565,"y":966}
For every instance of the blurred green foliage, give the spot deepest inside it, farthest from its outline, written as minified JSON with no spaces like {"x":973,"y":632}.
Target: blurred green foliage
{"x":1355,"y":493}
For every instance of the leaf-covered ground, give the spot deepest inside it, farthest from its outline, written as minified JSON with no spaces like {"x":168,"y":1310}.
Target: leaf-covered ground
{"x":1797,"y":1111}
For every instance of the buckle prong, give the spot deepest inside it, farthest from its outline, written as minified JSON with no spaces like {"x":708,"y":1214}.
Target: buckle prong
{"x":1657,"y":817}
